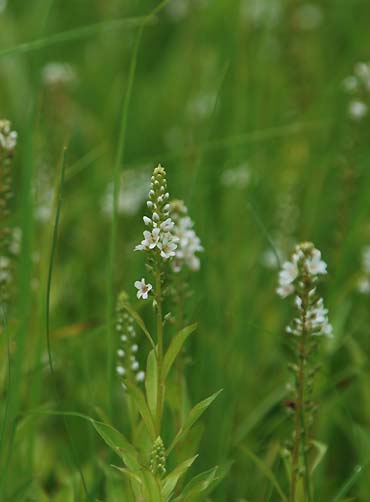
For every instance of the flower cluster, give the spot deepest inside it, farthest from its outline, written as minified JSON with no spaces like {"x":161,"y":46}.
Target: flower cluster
{"x":8,"y":139}
{"x":358,"y":86}
{"x":128,"y":367}
{"x":159,"y":237}
{"x":157,"y":463}
{"x":188,"y":243}
{"x":160,"y":241}
{"x":300,"y":275}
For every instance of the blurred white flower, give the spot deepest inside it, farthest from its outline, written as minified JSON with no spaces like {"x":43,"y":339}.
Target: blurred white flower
{"x":188,"y":242}
{"x":236,"y":177}
{"x":261,"y":12}
{"x":308,"y":16}
{"x":133,"y":190}
{"x":357,"y":110}
{"x":3,"y":4}
{"x":54,"y":74}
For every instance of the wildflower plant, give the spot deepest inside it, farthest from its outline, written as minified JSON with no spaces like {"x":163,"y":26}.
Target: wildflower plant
{"x":300,"y":276}
{"x":169,"y":243}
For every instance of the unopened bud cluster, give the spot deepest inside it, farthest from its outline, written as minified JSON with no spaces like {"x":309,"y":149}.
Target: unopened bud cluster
{"x":157,"y":464}
{"x":128,"y":367}
{"x":188,"y":243}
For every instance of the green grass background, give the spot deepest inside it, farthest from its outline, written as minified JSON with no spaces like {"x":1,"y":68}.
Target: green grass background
{"x":274,"y":101}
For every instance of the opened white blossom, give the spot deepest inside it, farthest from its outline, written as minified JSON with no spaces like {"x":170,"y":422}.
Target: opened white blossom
{"x":143,"y":289}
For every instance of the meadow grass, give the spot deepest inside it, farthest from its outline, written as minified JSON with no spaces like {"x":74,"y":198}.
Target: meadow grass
{"x":243,"y":103}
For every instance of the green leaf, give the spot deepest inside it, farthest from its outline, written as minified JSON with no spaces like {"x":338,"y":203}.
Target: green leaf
{"x":194,"y":415}
{"x":175,"y":346}
{"x":143,"y":409}
{"x":118,"y":443}
{"x":206,"y":481}
{"x":112,"y":437}
{"x":265,"y":470}
{"x":133,"y":476}
{"x":321,"y":450}
{"x":151,"y":488}
{"x":169,"y":483}
{"x":151,"y":382}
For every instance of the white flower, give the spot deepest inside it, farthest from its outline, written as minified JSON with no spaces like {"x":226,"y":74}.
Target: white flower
{"x":167,"y":245}
{"x":350,"y":83}
{"x":120,"y":370}
{"x":58,"y":74}
{"x":167,"y":225}
{"x":143,"y":289}
{"x":285,"y":290}
{"x":315,"y":265}
{"x":150,"y":240}
{"x":357,"y":109}
{"x":288,"y":273}
{"x":140,"y":376}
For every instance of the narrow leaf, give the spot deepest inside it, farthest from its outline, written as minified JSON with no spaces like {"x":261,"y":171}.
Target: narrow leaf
{"x":203,"y":483}
{"x":266,"y":471}
{"x":143,"y":409}
{"x":170,"y":482}
{"x":321,"y":450}
{"x":151,"y":382}
{"x":194,"y":415}
{"x":175,"y":346}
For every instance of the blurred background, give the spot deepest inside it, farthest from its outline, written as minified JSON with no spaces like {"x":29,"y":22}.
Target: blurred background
{"x":258,"y":111}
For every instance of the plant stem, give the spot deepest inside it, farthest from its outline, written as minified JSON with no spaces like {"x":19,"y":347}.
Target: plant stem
{"x":160,"y":384}
{"x":300,"y":437}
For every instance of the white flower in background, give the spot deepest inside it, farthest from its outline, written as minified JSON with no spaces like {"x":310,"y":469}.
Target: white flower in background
{"x":358,"y":85}
{"x":301,"y":275}
{"x":15,"y":241}
{"x":261,"y":12}
{"x":3,"y":4}
{"x":55,"y":74}
{"x":8,"y":138}
{"x":178,"y":9}
{"x":363,"y":284}
{"x":236,"y":177}
{"x":357,"y":109}
{"x":143,"y":289}
{"x":201,"y":105}
{"x":133,"y":190}
{"x":308,"y":16}
{"x":188,"y":242}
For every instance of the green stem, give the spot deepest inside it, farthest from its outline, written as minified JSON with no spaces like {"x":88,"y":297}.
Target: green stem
{"x":160,"y":383}
{"x":300,"y":435}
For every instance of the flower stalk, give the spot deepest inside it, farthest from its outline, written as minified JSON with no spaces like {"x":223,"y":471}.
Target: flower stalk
{"x":300,"y":276}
